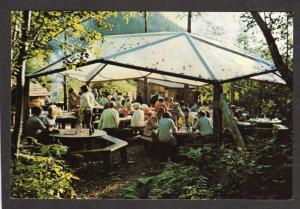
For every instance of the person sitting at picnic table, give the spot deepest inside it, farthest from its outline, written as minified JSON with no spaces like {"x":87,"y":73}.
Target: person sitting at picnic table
{"x":109,"y":118}
{"x":138,"y":116}
{"x":102,"y":100}
{"x":166,"y":102}
{"x":146,"y":109}
{"x":204,"y":126}
{"x":49,"y":120}
{"x":87,"y":102}
{"x":196,"y":106}
{"x":119,"y":100}
{"x":188,"y":118}
{"x":171,"y":103}
{"x":128,"y":105}
{"x":204,"y":107}
{"x":74,"y":100}
{"x":159,"y":103}
{"x":207,"y":113}
{"x":166,"y":127}
{"x":159,"y":113}
{"x":177,"y":112}
{"x":34,"y":127}
{"x":168,"y":143}
{"x":150,"y":127}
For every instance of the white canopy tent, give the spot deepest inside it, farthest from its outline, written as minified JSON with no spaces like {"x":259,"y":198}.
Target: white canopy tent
{"x":177,"y":57}
{"x":170,"y":56}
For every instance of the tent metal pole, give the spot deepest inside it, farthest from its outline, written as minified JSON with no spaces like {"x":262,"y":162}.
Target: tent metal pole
{"x":217,"y":112}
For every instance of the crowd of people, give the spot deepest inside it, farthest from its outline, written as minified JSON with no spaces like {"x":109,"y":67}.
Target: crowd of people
{"x":159,"y":120}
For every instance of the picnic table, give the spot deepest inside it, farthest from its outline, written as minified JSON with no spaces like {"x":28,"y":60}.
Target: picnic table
{"x":81,"y":142}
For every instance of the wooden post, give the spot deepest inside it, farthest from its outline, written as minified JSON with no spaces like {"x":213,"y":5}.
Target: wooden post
{"x":65,"y":92}
{"x":145,"y":90}
{"x":217,"y":113}
{"x":186,"y":95}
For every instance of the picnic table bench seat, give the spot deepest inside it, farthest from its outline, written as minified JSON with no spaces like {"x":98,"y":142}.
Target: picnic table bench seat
{"x":117,"y":144}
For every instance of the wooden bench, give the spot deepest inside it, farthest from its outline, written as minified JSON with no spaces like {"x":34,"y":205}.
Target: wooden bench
{"x":117,"y":144}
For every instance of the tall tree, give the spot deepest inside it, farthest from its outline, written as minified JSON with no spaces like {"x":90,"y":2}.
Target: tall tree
{"x":275,"y":28}
{"x":37,"y":34}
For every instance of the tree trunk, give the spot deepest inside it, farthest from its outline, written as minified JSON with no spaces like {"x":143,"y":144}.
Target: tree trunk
{"x":21,"y":64}
{"x":282,"y":67}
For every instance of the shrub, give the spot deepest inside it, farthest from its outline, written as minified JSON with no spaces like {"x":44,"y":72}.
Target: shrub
{"x":40,"y":172}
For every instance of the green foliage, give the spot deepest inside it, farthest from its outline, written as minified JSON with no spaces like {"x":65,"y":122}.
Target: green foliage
{"x":113,"y":86}
{"x":175,"y":182}
{"x":40,"y":172}
{"x":255,"y":170}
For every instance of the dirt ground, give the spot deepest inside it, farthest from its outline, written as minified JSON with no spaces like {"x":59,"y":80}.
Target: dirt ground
{"x":95,"y":183}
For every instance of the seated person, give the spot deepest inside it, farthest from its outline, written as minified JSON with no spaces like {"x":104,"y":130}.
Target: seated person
{"x":204,"y":126}
{"x":119,"y":101}
{"x":204,"y":107}
{"x":165,"y":128}
{"x":34,"y":127}
{"x":150,"y":126}
{"x":177,"y":112}
{"x":103,"y":100}
{"x":196,"y":106}
{"x":171,"y":103}
{"x":138,"y":116}
{"x":49,"y":120}
{"x":207,"y":113}
{"x":188,"y":118}
{"x":109,"y":118}
{"x":159,"y":104}
{"x":128,"y":105}
{"x":159,"y":113}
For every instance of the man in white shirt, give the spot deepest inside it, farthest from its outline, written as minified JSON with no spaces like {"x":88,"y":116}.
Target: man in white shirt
{"x":138,"y":118}
{"x":109,"y":118}
{"x":87,"y":102}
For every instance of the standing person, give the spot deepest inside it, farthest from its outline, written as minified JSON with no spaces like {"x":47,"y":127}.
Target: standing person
{"x":153,"y":99}
{"x":87,"y":102}
{"x":138,"y":116}
{"x":139,"y":98}
{"x":95,"y":93}
{"x":74,"y":100}
{"x":196,"y":106}
{"x":204,"y":126}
